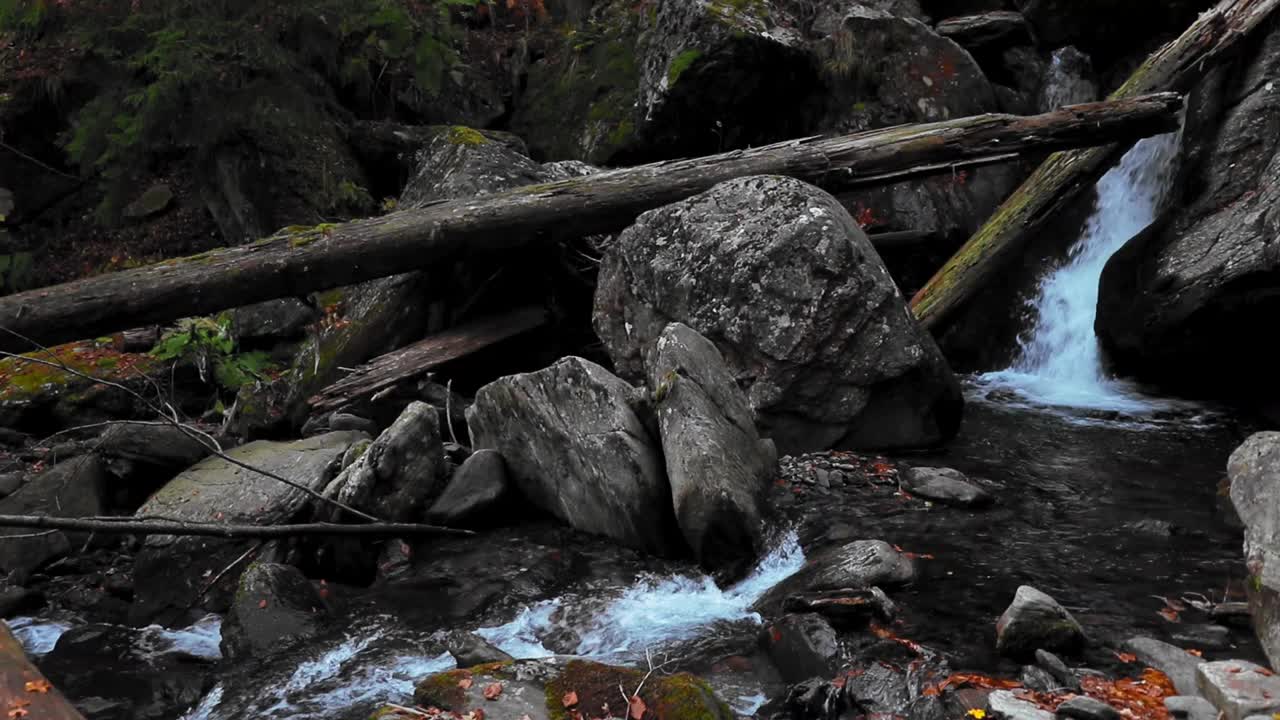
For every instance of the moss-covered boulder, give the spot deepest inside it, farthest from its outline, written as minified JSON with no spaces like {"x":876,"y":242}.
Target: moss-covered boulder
{"x":54,"y":389}
{"x":560,"y":688}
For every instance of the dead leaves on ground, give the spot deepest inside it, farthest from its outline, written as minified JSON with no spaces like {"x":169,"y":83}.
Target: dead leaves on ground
{"x":1140,"y":698}
{"x":492,"y":691}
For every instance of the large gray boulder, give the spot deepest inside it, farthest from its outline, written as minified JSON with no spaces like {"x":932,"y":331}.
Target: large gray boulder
{"x":780,"y":278}
{"x":397,"y":473}
{"x":74,"y":488}
{"x":1035,"y":621}
{"x":170,"y":572}
{"x":274,"y":607}
{"x":1171,"y":660}
{"x":575,"y":447}
{"x":1182,"y":303}
{"x":856,"y":565}
{"x":718,"y":466}
{"x":1254,"y":472}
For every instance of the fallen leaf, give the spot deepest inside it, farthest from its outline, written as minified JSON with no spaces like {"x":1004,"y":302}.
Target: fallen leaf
{"x":262,"y":604}
{"x":1169,"y":614}
{"x":1235,"y":669}
{"x":465,"y":683}
{"x":38,"y":686}
{"x":18,"y":712}
{"x":1125,"y":657}
{"x":492,"y":691}
{"x":637,"y":708}
{"x":570,"y":699}
{"x":1197,"y":653}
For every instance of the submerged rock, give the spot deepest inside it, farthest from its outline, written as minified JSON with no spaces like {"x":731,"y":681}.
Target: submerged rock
{"x":1036,"y":621}
{"x":1239,"y":688}
{"x":575,"y":447}
{"x":469,"y":650}
{"x":780,"y":278}
{"x":802,"y":647}
{"x":944,"y":485}
{"x":274,"y":607}
{"x":170,"y":572}
{"x":544,"y":689}
{"x":718,"y":466}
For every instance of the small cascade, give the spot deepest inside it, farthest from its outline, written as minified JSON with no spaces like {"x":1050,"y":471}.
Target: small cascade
{"x":1059,"y":361}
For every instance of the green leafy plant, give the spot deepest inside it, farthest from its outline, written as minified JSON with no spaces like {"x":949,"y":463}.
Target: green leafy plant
{"x":208,"y":344}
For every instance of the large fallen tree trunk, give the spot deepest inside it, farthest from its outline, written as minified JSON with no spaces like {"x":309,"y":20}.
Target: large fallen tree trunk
{"x":1176,"y":66}
{"x":296,"y":262}
{"x":24,"y":692}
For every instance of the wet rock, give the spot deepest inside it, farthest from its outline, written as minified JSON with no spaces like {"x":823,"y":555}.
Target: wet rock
{"x":1204,"y":637}
{"x":809,"y":320}
{"x":170,"y":572}
{"x":1054,"y":665}
{"x":537,"y":687}
{"x":848,"y":608}
{"x":1082,"y":707}
{"x":988,"y":30}
{"x":815,"y":698}
{"x":858,"y":564}
{"x":944,"y":485}
{"x":469,"y":650}
{"x":718,"y":466}
{"x":1239,"y":688}
{"x":802,"y":647}
{"x":74,"y":488}
{"x":1007,"y":705}
{"x":394,"y":475}
{"x":575,"y":447}
{"x":274,"y":607}
{"x":461,"y":162}
{"x":1190,"y":707}
{"x":154,"y":201}
{"x":1254,"y":472}
{"x":1036,"y":678}
{"x":272,"y":321}
{"x":1068,"y":80}
{"x":346,"y":421}
{"x":880,"y":690}
{"x":1231,"y":613}
{"x":1151,"y":527}
{"x":156,"y":444}
{"x":475,"y":491}
{"x":1033,"y":621}
{"x":1185,"y":292}
{"x":1171,"y":660}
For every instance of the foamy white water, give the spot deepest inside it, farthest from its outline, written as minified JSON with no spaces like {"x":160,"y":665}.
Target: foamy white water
{"x":37,"y":636}
{"x":1060,"y":362}
{"x":654,"y":611}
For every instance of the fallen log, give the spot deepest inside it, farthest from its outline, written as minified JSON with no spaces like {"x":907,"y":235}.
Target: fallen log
{"x":24,"y":692}
{"x":1176,"y":66}
{"x":397,"y":366}
{"x":301,"y":260}
{"x":142,"y":526}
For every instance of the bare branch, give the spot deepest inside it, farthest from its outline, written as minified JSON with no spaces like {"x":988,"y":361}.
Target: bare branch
{"x":225,"y":530}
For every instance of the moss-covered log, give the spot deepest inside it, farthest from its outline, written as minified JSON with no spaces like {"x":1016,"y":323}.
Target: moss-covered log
{"x":301,"y":260}
{"x":1174,"y":67}
{"x":24,"y":692}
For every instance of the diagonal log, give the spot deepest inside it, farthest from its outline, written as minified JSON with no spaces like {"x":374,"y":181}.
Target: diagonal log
{"x":24,"y":692}
{"x":1176,"y":67}
{"x":297,"y":261}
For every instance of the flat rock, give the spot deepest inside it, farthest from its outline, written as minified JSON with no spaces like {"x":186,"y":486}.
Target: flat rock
{"x":1007,"y":705}
{"x":575,"y":447}
{"x":1210,"y":637}
{"x":1034,"y":621}
{"x":1239,"y":688}
{"x":944,"y":485}
{"x":999,"y":28}
{"x":158,"y":444}
{"x":861,"y":564}
{"x":1190,"y":707}
{"x":1082,"y":707}
{"x":1171,"y":660}
{"x":718,"y":466}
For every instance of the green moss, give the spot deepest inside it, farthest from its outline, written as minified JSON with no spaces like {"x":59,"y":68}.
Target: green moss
{"x":675,"y":697}
{"x":22,"y":380}
{"x":680,"y":64}
{"x":441,"y":690}
{"x":462,"y":135}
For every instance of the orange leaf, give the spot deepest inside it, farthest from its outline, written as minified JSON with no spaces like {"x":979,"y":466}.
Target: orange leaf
{"x":570,"y":699}
{"x":637,"y":708}
{"x":38,"y":686}
{"x":262,"y":604}
{"x":465,"y":683}
{"x":492,"y":691}
{"x":1169,"y":614}
{"x":1125,"y":657}
{"x":1197,"y":653}
{"x":17,"y":712}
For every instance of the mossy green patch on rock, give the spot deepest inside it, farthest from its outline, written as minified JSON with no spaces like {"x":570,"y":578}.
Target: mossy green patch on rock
{"x":442,"y":690}
{"x":462,"y":135}
{"x":675,"y":697}
{"x":29,"y":376}
{"x":680,"y":64}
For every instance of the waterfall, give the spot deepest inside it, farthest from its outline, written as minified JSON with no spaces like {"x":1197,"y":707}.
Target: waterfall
{"x":1059,"y":361}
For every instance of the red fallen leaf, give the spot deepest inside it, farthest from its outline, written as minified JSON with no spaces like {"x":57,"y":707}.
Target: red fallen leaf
{"x":1197,"y":653}
{"x":1126,"y":657}
{"x":1264,"y":671}
{"x":637,"y":708}
{"x":492,"y":691}
{"x":37,"y":686}
{"x":1169,"y":614}
{"x":570,"y":699}
{"x":465,"y":683}
{"x":477,"y":714}
{"x":917,"y":556}
{"x":262,"y":604}
{"x":1235,"y":669}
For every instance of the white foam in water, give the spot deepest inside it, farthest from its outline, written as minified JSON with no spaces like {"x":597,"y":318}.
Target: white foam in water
{"x":37,"y":637}
{"x":1060,"y":364}
{"x":201,"y":640}
{"x":656,"y":611}
{"x":371,"y":685}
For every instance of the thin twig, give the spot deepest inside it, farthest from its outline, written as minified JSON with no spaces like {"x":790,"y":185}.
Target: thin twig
{"x":37,"y":161}
{"x":28,"y":535}
{"x":196,"y":434}
{"x":225,"y":530}
{"x":221,"y":573}
{"x":448,"y":410}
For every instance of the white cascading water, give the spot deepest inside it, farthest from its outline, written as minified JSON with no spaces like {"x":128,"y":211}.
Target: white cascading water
{"x":1059,"y":361}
